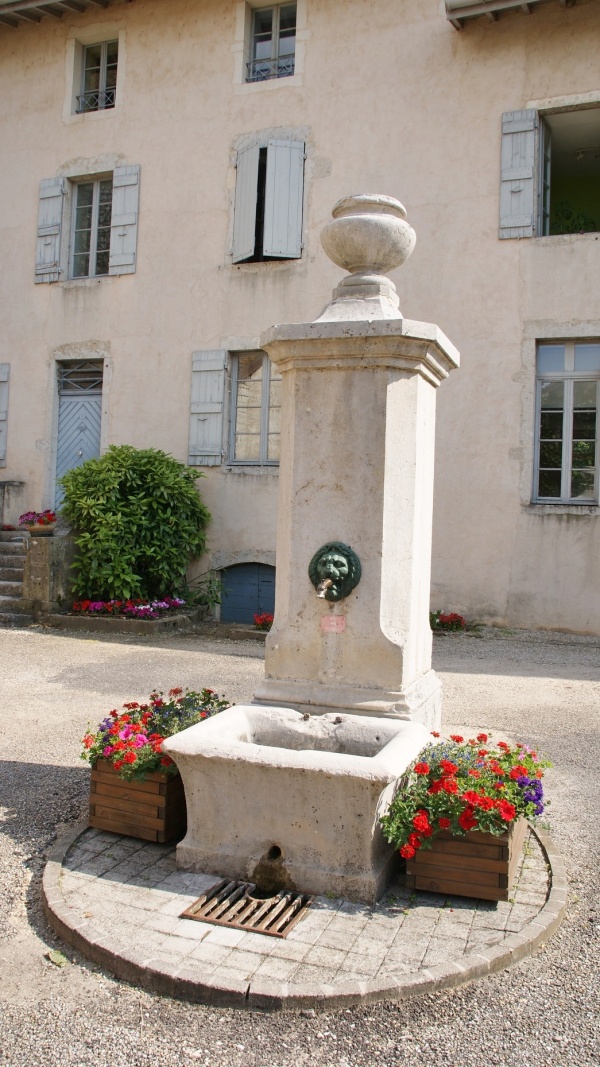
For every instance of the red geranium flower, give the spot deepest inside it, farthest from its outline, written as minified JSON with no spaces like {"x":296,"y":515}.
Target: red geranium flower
{"x":475,"y":774}
{"x":448,"y":768}
{"x":466,"y":820}
{"x":504,"y":746}
{"x":421,"y":820}
{"x":444,"y":823}
{"x":435,"y":787}
{"x":421,"y":768}
{"x":456,"y":737}
{"x":482,"y":737}
{"x":434,"y":733}
{"x":407,"y":852}
{"x":450,"y":785}
{"x":414,"y":840}
{"x":506,"y":809}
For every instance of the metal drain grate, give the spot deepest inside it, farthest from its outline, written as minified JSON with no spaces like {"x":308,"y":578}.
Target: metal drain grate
{"x":232,"y":904}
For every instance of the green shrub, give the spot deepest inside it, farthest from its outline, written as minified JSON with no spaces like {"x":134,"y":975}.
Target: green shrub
{"x":138,"y":519}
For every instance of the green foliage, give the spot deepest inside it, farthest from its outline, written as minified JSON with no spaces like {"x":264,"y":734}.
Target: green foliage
{"x":205,"y":591}
{"x":138,"y":519}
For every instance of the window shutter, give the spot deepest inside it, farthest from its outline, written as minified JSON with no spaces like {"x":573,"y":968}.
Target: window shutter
{"x":4,"y":372}
{"x":124,"y":221}
{"x":206,"y":418}
{"x":47,"y":262}
{"x":283,"y":200}
{"x":518,"y":161}
{"x":246,"y":193}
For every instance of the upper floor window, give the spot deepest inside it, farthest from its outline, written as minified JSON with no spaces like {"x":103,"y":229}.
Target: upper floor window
{"x":99,"y":76}
{"x":256,"y":409}
{"x":550,"y":173}
{"x":273,"y":43}
{"x":267,"y":220}
{"x":567,"y":400}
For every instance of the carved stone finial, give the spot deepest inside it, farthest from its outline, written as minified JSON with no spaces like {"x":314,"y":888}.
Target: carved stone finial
{"x":369,"y":236}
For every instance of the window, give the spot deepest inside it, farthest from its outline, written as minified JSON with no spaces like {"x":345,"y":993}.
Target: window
{"x":92,"y":211}
{"x":567,"y":396}
{"x":267,"y":222}
{"x":255,"y":408}
{"x":273,"y":43}
{"x":550,"y":173}
{"x":99,"y":77}
{"x":103,"y":213}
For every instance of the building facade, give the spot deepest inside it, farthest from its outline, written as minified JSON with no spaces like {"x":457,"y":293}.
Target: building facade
{"x":167,"y":166}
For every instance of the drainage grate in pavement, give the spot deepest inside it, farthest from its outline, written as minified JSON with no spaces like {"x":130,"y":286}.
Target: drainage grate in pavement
{"x":238,"y":905}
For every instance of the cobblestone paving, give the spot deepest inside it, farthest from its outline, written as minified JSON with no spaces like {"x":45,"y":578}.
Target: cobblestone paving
{"x":334,"y":943}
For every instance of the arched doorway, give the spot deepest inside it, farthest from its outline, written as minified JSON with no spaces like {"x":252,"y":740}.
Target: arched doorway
{"x":248,"y":590}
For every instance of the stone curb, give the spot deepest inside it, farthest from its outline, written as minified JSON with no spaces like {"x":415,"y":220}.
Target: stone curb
{"x":105,"y":624}
{"x":266,"y":994}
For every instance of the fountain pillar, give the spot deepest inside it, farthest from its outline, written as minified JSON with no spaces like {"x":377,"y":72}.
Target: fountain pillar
{"x":356,"y":470}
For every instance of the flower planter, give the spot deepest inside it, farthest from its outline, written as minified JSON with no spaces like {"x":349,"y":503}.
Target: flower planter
{"x":152,"y":808}
{"x":479,"y":865}
{"x":40,"y":529}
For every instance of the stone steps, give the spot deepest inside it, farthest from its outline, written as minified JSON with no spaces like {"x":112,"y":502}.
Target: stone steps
{"x":14,"y":609}
{"x":11,"y":589}
{"x":10,"y":619}
{"x":12,"y":571}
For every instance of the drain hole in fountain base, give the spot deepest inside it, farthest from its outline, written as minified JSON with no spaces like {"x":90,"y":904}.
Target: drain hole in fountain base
{"x":274,"y":853}
{"x":241,"y":906}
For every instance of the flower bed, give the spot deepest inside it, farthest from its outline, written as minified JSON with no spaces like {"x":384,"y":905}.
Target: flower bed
{"x":37,"y":518}
{"x":132,"y":609}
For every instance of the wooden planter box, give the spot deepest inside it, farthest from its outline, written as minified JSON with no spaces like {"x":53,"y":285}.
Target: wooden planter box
{"x":478,"y":865}
{"x":152,"y":808}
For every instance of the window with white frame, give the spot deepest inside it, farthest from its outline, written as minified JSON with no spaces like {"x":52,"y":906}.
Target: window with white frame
{"x":87,"y":226}
{"x":550,"y":182}
{"x":566,"y":444}
{"x":272,"y":43}
{"x":267,"y":221}
{"x":98,"y":76}
{"x":92,"y":212}
{"x":255,"y":409}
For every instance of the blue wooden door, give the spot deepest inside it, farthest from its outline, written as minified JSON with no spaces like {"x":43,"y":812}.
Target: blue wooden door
{"x":248,"y":590}
{"x":79,"y":417}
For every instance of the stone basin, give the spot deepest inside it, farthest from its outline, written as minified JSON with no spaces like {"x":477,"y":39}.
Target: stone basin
{"x":288,"y":800}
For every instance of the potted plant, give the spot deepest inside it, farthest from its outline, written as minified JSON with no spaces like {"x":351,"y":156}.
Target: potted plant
{"x":460,"y":812}
{"x":135,"y":789}
{"x":39,"y":523}
{"x":263,"y":622}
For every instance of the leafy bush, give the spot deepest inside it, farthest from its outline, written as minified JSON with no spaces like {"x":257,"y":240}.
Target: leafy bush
{"x":138,"y":519}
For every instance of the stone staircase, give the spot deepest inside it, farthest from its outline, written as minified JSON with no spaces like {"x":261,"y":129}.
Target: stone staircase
{"x":14,"y":609}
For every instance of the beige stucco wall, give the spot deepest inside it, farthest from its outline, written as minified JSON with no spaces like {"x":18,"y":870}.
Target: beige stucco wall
{"x":389,"y":98}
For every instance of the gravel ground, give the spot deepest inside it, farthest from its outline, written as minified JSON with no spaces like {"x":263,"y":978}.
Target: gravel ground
{"x":539,"y":688}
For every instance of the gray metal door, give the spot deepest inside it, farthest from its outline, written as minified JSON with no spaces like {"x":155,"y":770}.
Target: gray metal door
{"x":79,"y":417}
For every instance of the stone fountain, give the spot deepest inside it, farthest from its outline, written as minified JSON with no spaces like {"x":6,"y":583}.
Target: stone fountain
{"x":287,"y":791}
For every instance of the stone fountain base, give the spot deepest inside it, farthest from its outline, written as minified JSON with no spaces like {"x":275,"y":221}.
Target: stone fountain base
{"x":288,"y":800}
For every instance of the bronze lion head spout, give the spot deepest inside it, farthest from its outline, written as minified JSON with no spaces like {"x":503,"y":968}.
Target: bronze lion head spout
{"x":334,"y":571}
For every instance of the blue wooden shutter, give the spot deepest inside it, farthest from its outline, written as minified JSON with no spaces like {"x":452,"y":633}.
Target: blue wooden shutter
{"x":206,"y":416}
{"x":518,"y":197}
{"x":4,"y":373}
{"x":246,"y":193}
{"x":283,"y":199}
{"x":124,"y":221}
{"x":50,"y":216}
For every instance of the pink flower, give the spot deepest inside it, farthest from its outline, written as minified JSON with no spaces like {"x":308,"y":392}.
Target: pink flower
{"x":107,"y":750}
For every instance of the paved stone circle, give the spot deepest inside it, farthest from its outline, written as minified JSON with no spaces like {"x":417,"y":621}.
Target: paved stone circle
{"x":119,"y":901}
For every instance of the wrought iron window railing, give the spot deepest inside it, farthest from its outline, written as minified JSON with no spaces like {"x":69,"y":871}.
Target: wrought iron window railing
{"x":262,"y":69}
{"x":96,"y":100}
